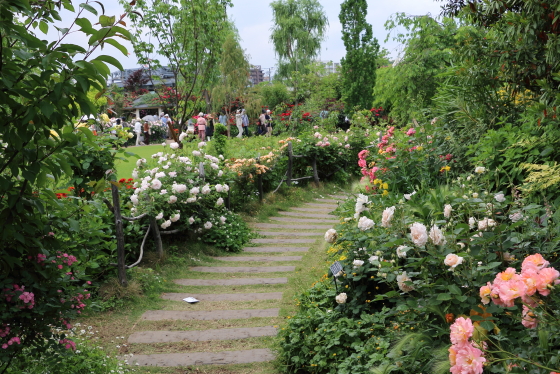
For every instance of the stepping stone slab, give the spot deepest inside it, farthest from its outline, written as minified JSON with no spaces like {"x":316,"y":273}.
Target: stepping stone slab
{"x":305,"y":220}
{"x":286,"y":227}
{"x":203,"y":358}
{"x":275,"y":249}
{"x":230,"y":282}
{"x":259,"y":258}
{"x":317,"y":205}
{"x":207,"y":315}
{"x":282,"y":241}
{"x":340,"y":197}
{"x":328,"y":200}
{"x":301,"y":214}
{"x":148,"y":337}
{"x":313,"y":209}
{"x":224,"y":296}
{"x":280,"y":233}
{"x":243,"y":269}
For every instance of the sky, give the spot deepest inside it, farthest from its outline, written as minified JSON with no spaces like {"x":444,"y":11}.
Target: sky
{"x":253,"y":19}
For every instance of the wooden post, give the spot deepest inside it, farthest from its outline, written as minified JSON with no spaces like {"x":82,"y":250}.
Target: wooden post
{"x":260,"y":183}
{"x":157,"y":236}
{"x":315,"y":171}
{"x":228,"y":200}
{"x":120,"y":236}
{"x":290,"y":161}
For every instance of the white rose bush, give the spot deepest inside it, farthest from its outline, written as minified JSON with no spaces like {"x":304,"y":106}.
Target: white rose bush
{"x":172,"y":189}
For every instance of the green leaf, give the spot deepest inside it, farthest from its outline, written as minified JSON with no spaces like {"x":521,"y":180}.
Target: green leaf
{"x":117,"y":45}
{"x":444,"y":296}
{"x":88,"y":8}
{"x":46,"y":108}
{"x":43,"y":27}
{"x":106,"y":20}
{"x":110,"y":60}
{"x":454,"y":289}
{"x":487,"y":325}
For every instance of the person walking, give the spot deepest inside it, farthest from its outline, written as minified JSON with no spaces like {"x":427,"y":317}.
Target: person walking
{"x":262,"y":124}
{"x":147,"y":131}
{"x":239,"y":123}
{"x":201,"y":122}
{"x":138,"y":131}
{"x":210,"y":126}
{"x":245,"y":122}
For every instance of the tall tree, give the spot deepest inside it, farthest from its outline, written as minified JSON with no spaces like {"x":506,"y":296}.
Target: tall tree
{"x":187,"y":34}
{"x":359,"y":66}
{"x":234,"y":74}
{"x":299,"y":28}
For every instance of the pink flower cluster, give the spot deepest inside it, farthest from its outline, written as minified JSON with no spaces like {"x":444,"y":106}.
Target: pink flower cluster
{"x":68,"y":344}
{"x":385,"y":138}
{"x":508,"y":286}
{"x":78,"y":301}
{"x":26,"y":297}
{"x":411,"y":132}
{"x":465,"y":357}
{"x":362,"y":162}
{"x":12,"y":340}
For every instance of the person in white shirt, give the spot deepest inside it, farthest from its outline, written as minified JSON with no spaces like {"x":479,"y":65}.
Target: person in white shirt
{"x":239,"y":123}
{"x":138,"y":130}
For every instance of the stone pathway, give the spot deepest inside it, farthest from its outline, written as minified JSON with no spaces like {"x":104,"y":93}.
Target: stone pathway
{"x":275,"y":246}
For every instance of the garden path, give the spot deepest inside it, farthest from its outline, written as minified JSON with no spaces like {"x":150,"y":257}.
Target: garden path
{"x":237,"y":273}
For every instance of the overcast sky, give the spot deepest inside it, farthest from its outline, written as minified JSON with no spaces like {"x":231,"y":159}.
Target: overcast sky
{"x":253,"y":19}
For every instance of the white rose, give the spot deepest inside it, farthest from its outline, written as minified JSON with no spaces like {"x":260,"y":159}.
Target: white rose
{"x":500,"y":197}
{"x":517,"y":216}
{"x":159,"y":216}
{"x":194,"y":191}
{"x":134,"y":199}
{"x":219,"y":188}
{"x":403,"y":286}
{"x":208,"y":225}
{"x":201,"y":144}
{"x":223,"y":219}
{"x":182,"y":136}
{"x":387,"y":216}
{"x":447,"y":210}
{"x":365,"y":223}
{"x":191,"y":200}
{"x":220,"y":201}
{"x":372,"y":259}
{"x":452,"y":260}
{"x":401,"y":251}
{"x":175,"y":217}
{"x":436,"y":235}
{"x":220,"y":173}
{"x":196,"y":153}
{"x":161,"y":174}
{"x":166,"y":224}
{"x":179,"y":188}
{"x":206,"y":189}
{"x":341,"y":298}
{"x":419,"y":234}
{"x":174,"y":145}
{"x":330,"y":235}
{"x":472,"y":222}
{"x":226,"y":188}
{"x":475,"y":195}
{"x":357,"y":263}
{"x":172,"y":174}
{"x":479,"y":169}
{"x":156,"y":184}
{"x":191,"y":220}
{"x":140,"y":162}
{"x":172,"y":199}
{"x":408,"y":196}
{"x":485,"y":223}
{"x":134,"y":174}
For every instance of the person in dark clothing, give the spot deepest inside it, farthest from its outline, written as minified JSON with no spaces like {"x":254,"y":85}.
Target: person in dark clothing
{"x":210,"y":127}
{"x":146,"y":130}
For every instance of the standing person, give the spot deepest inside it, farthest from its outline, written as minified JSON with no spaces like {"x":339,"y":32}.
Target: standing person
{"x":210,"y":126}
{"x":146,"y":129}
{"x":164,"y":120}
{"x":138,"y":130}
{"x":268,"y":122}
{"x":201,"y":122}
{"x":223,"y":119}
{"x":245,"y":122}
{"x":239,"y":123}
{"x":262,"y":120}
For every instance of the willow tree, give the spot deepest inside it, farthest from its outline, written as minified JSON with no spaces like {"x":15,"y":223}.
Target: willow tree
{"x":234,"y":74}
{"x":359,"y":64}
{"x":187,"y":37}
{"x":299,"y":28}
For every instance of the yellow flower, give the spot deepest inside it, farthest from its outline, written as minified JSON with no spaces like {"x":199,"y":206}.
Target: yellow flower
{"x":385,"y":193}
{"x":377,"y":181}
{"x":445,"y":168}
{"x":419,"y":148}
{"x":385,"y":186}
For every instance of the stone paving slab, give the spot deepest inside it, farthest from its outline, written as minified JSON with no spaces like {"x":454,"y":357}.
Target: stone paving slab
{"x":313,"y":209}
{"x":282,"y":241}
{"x":280,"y":233}
{"x":149,"y":337}
{"x":305,"y":215}
{"x":207,"y":315}
{"x":304,"y":220}
{"x":340,"y":197}
{"x":259,"y":258}
{"x":203,"y":358}
{"x":328,"y":200}
{"x":224,"y":296}
{"x":291,"y":227}
{"x":230,"y":282}
{"x":275,"y":249}
{"x":316,"y":205}
{"x":243,"y":269}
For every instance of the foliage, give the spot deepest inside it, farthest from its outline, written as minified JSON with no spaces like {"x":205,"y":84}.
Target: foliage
{"x":299,"y":28}
{"x":273,"y":94}
{"x":219,"y":139}
{"x":193,"y":55}
{"x":234,"y":74}
{"x":408,"y":87}
{"x":359,"y":65}
{"x":135,"y":80}
{"x":44,"y":88}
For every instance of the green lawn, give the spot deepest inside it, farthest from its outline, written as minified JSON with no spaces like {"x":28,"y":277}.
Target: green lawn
{"x":124,"y":168}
